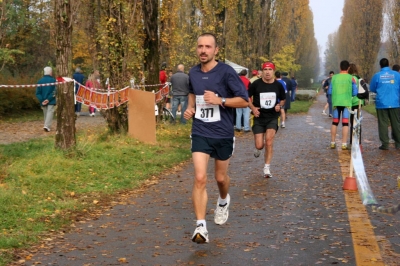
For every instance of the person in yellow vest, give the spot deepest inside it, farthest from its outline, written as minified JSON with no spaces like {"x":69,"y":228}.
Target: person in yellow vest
{"x":342,"y":88}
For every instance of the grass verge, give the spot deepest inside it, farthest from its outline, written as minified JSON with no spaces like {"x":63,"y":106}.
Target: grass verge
{"x":42,"y":188}
{"x":298,"y":107}
{"x":370,"y":108}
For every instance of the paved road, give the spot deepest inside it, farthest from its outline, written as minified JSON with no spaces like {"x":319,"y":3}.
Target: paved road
{"x":301,"y":216}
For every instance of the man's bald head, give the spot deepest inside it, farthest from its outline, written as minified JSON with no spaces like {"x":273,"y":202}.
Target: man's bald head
{"x":181,"y":67}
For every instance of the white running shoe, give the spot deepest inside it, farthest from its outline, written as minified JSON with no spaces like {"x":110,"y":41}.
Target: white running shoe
{"x":323,"y":112}
{"x":221,"y":213}
{"x":267,"y":172}
{"x":283,"y":125}
{"x":257,"y":153}
{"x":200,"y":235}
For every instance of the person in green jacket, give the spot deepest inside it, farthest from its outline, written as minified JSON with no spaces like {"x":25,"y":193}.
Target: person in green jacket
{"x":46,"y":94}
{"x":342,"y":88}
{"x":356,"y":102}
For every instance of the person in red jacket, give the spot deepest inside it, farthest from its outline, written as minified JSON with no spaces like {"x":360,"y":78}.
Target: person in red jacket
{"x":163,"y":78}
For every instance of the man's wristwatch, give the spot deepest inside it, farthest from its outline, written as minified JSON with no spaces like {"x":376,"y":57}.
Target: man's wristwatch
{"x":223,"y":101}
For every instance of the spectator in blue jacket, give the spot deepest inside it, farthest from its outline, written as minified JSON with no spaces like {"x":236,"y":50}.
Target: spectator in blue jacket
{"x":386,"y":85}
{"x":46,"y":94}
{"x":79,"y":77}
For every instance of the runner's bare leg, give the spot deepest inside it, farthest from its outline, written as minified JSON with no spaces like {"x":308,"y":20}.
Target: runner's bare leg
{"x":199,"y":193}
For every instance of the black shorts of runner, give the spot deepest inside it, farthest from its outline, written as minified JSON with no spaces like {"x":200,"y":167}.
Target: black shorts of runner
{"x":220,"y":149}
{"x":261,"y":124}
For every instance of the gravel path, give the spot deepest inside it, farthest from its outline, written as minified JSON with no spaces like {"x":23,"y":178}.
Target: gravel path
{"x":23,"y":131}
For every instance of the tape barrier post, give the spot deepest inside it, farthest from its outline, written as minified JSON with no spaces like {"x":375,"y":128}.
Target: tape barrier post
{"x":350,"y":183}
{"x":365,"y":191}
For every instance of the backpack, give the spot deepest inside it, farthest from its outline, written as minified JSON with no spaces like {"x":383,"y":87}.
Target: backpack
{"x":363,"y":89}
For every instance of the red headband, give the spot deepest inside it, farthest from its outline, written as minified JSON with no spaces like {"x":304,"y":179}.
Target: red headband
{"x":268,"y":64}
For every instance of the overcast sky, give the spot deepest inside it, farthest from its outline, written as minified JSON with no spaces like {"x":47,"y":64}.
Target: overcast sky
{"x":327,"y":17}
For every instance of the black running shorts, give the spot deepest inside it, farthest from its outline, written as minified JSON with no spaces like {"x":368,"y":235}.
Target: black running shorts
{"x":220,"y":149}
{"x":261,"y":124}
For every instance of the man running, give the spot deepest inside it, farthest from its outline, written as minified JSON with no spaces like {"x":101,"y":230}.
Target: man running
{"x":214,"y":90}
{"x":268,"y":99}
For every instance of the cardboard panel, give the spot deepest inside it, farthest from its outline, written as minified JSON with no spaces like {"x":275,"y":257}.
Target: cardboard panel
{"x":141,"y":119}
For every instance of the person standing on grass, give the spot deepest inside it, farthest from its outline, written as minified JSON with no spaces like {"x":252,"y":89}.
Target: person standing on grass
{"x":79,"y":77}
{"x":386,"y":85}
{"x":268,"y":98}
{"x":214,"y":90}
{"x":163,"y":79}
{"x":342,"y":88}
{"x":243,"y":112}
{"x":47,"y":97}
{"x":180,"y":91}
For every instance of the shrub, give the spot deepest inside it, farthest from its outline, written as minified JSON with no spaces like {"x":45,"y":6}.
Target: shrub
{"x":15,"y":99}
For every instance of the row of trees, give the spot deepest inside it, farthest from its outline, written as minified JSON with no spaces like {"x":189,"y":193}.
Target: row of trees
{"x":369,"y":29}
{"x":124,"y":38}
{"x":392,"y":9}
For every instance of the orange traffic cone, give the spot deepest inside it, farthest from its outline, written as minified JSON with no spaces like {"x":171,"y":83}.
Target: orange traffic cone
{"x":350,"y":183}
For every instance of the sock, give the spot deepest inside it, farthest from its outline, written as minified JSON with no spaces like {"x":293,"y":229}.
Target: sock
{"x":203,"y":222}
{"x":266,"y":166}
{"x":222,"y":202}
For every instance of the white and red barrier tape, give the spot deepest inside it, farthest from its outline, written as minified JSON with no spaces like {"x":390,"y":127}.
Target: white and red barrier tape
{"x":62,"y":80}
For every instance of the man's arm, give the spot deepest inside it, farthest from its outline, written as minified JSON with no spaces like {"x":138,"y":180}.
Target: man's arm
{"x":254,"y":110}
{"x":236,"y":102}
{"x":191,"y":108}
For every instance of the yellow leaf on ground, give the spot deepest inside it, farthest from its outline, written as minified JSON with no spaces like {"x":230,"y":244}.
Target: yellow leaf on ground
{"x":123,"y":260}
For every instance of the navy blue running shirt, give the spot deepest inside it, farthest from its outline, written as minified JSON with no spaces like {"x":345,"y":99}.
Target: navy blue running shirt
{"x":225,"y":82}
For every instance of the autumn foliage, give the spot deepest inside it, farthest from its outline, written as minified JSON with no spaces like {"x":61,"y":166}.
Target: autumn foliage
{"x":121,"y":40}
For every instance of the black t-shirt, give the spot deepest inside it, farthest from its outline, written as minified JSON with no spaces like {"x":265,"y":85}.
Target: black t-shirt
{"x":225,"y":82}
{"x":266,"y":96}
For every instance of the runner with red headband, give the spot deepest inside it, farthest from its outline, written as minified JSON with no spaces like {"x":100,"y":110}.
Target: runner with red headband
{"x":268,"y":98}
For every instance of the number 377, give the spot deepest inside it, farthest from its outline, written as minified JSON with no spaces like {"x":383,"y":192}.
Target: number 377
{"x":207,"y":112}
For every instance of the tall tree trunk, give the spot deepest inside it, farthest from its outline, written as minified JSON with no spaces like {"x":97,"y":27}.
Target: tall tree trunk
{"x":220,"y":16}
{"x":65,"y":135}
{"x":263,"y":46}
{"x":152,"y":57}
{"x":117,"y":118}
{"x":166,"y":30}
